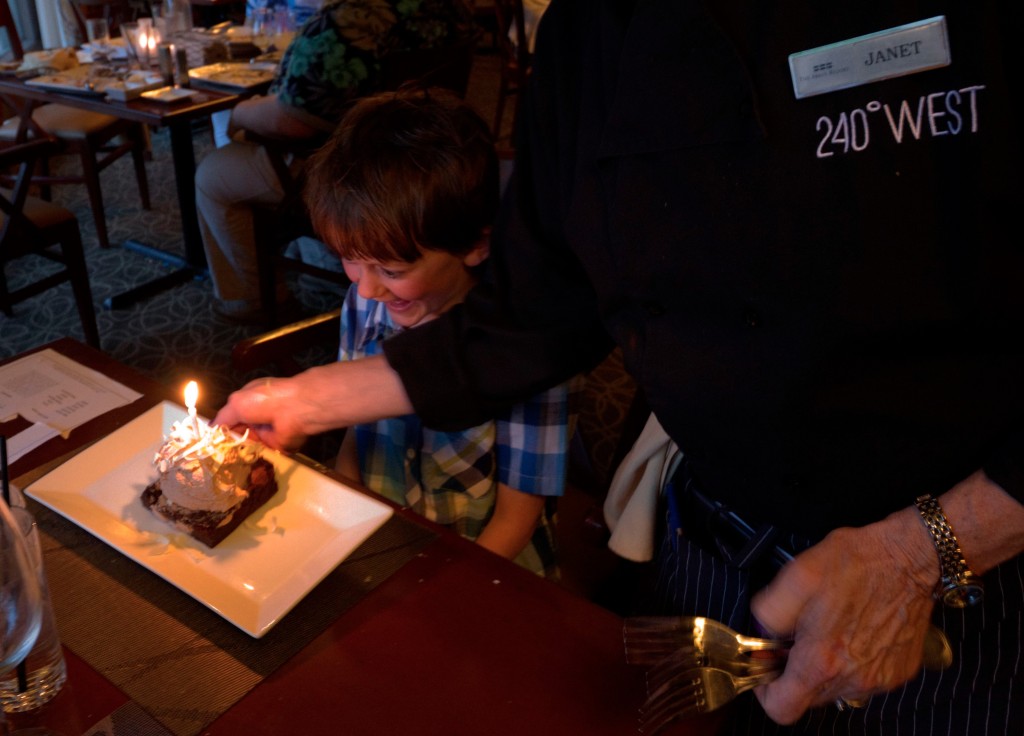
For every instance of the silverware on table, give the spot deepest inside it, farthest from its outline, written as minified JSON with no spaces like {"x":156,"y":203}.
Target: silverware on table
{"x":685,"y":658}
{"x":695,"y":691}
{"x":699,"y":664}
{"x":649,"y":639}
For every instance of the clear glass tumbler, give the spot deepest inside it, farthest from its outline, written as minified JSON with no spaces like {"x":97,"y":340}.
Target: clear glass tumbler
{"x":42,"y":674}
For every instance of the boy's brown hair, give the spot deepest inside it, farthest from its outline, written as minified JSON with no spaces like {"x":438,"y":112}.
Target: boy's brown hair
{"x":404,"y":169}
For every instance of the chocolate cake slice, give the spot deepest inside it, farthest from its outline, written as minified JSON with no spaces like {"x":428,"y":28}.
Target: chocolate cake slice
{"x":210,"y":480}
{"x":212,"y":527}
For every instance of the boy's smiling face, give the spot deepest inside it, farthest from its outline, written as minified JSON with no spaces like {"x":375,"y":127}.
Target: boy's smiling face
{"x":417,"y":292}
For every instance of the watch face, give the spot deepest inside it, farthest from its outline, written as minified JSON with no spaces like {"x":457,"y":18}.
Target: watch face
{"x":961,"y":596}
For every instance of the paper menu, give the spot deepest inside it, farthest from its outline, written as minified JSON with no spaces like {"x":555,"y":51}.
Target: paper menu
{"x":56,"y":394}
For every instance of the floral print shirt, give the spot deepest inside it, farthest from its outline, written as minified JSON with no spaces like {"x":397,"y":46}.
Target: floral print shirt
{"x":336,"y":56}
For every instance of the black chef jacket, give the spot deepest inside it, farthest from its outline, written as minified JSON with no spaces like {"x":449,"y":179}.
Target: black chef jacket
{"x":822,"y":298}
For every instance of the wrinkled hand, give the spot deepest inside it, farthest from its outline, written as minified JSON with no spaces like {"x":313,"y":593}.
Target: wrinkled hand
{"x":270,"y":409}
{"x":857,"y":605}
{"x":283,"y":412}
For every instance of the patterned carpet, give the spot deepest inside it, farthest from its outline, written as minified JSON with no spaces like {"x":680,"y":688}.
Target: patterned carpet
{"x":173,"y":336}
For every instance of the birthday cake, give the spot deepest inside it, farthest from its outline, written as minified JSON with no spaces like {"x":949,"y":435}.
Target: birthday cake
{"x":210,"y":481}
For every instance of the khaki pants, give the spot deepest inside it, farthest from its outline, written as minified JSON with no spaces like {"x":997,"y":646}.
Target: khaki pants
{"x":229,"y":180}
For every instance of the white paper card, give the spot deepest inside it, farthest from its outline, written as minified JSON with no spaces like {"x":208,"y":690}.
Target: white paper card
{"x":28,"y":439}
{"x":50,"y":389}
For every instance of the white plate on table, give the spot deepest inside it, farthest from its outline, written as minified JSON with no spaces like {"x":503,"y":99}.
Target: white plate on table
{"x":134,"y":85}
{"x":233,"y":76}
{"x":260,"y":571}
{"x":78,"y":81}
{"x":72,"y":82}
{"x":169,"y":94}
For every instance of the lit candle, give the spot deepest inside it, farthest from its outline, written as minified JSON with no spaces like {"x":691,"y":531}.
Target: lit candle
{"x":145,"y":41}
{"x":191,"y":395}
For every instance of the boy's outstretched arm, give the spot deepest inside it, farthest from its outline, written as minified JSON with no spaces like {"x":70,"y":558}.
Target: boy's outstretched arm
{"x":513,"y":523}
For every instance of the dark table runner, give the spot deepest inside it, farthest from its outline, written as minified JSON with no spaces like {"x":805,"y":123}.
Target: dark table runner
{"x":180,"y":661}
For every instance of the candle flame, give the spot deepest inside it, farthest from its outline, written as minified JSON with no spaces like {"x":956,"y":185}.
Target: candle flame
{"x":191,"y":394}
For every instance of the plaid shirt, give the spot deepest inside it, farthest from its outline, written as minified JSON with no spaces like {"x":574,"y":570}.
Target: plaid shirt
{"x":452,"y":477}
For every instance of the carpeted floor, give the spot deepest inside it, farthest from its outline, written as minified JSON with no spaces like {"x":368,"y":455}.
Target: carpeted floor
{"x":173,"y":336}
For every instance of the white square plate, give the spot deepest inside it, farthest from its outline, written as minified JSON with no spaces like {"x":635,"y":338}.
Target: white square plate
{"x":233,"y":76}
{"x":260,"y":571}
{"x":70,"y":81}
{"x":169,"y":94}
{"x":133,"y":86}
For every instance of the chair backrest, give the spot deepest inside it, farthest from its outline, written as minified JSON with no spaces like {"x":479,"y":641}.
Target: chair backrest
{"x":447,"y":67}
{"x":515,"y":53}
{"x":15,"y":227}
{"x":7,"y":24}
{"x":47,"y":225}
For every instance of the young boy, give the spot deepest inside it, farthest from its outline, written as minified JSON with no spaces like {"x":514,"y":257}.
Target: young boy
{"x":405,"y":191}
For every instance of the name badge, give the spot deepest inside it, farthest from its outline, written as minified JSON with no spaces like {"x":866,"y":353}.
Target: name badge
{"x":907,"y":49}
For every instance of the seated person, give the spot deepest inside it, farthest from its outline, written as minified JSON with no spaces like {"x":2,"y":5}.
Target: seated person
{"x":406,"y":190}
{"x":334,"y":59}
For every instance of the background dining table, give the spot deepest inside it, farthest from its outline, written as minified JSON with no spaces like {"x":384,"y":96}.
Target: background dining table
{"x":451,"y":639}
{"x":177,"y":117}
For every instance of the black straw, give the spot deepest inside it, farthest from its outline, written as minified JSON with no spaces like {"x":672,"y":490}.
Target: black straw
{"x":22,"y":673}
{"x":22,"y":677}
{"x":3,"y":465}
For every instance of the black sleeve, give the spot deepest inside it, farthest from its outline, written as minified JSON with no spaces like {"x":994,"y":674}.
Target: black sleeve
{"x":1006,"y":466}
{"x":535,"y":320}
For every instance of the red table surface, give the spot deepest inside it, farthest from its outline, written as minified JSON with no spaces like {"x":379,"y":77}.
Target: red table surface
{"x":458,"y":641}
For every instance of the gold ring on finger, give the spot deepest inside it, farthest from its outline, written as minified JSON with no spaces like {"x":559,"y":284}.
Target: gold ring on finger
{"x":851,"y":703}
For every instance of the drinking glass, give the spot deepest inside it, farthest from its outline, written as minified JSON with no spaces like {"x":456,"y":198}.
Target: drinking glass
{"x":283,"y":30}
{"x":98,"y":31}
{"x":130,"y":31}
{"x":262,"y":28}
{"x":43,"y":672}
{"x":20,"y":601}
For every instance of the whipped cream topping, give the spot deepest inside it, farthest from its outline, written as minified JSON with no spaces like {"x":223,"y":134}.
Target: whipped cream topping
{"x":205,"y":473}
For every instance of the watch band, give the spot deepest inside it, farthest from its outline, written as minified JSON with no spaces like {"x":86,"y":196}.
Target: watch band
{"x":958,"y":587}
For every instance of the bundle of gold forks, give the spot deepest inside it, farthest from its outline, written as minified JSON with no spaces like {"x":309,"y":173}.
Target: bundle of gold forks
{"x":698,"y":664}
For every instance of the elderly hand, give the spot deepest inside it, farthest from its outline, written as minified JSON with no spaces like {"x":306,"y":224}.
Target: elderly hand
{"x":857,"y":606}
{"x":283,"y":412}
{"x":858,"y":603}
{"x":271,"y":409}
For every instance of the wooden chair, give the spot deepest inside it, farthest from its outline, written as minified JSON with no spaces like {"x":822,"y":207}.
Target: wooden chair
{"x":279,"y":346}
{"x":32,"y":226}
{"x":485,"y":21}
{"x":95,"y":138}
{"x":610,"y":414}
{"x":515,"y":58}
{"x":279,"y":224}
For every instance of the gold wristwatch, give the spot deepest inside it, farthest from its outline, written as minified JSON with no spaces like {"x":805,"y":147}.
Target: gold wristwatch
{"x":958,"y":587}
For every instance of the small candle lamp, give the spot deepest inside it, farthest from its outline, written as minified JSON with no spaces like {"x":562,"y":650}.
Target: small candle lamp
{"x":143,"y":39}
